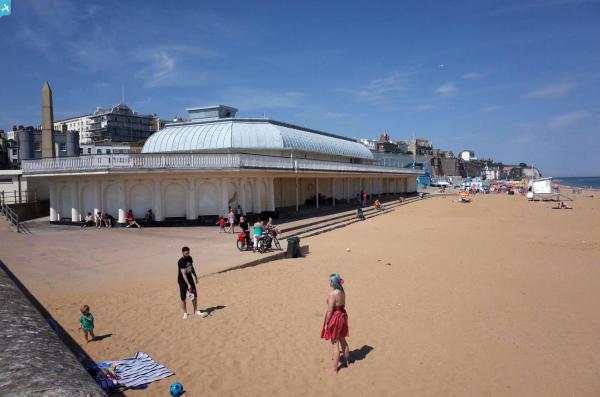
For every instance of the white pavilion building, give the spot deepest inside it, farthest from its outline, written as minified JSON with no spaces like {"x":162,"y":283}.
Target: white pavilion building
{"x":198,"y":169}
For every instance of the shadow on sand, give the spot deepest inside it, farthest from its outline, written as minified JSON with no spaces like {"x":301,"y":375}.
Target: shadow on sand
{"x":360,"y":354}
{"x":81,"y":355}
{"x":210,"y":310}
{"x":98,"y":338}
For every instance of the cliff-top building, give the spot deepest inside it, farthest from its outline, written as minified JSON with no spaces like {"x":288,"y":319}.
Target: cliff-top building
{"x":113,"y":124}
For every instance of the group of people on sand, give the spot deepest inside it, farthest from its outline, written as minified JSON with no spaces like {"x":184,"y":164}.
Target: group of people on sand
{"x":335,"y":324}
{"x":561,"y":206}
{"x":103,"y":219}
{"x":232,"y":218}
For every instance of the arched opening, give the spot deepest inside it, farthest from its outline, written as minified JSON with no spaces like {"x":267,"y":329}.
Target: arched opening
{"x":208,"y":196}
{"x":65,"y":203}
{"x":175,"y":201}
{"x":140,"y":200}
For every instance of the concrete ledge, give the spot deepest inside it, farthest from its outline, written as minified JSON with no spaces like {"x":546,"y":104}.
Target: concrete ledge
{"x":33,"y":359}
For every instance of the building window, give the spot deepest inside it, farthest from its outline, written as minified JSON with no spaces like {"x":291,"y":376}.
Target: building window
{"x":14,"y":152}
{"x":80,"y":150}
{"x":89,"y":150}
{"x":107,"y":151}
{"x":62,"y":147}
{"x":98,"y":151}
{"x":37,"y":147}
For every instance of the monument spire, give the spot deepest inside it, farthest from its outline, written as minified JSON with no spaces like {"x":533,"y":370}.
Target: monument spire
{"x":47,"y":122}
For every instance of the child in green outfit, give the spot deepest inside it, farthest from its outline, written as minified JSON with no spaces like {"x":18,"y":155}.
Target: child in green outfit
{"x":86,"y":321}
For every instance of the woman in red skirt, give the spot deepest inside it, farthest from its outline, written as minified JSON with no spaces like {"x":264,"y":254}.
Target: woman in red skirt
{"x":335,"y":326}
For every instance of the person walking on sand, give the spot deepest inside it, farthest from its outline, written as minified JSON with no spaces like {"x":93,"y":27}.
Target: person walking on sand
{"x":187,"y":287}
{"x":231,"y":221}
{"x":86,"y":323}
{"x":335,"y":326}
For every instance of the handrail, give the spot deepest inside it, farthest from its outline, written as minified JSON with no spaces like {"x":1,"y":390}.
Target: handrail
{"x":17,"y":197}
{"x":197,"y":161}
{"x":10,"y":215}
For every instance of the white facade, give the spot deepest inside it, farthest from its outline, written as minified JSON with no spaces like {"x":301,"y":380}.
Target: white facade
{"x":189,"y":196}
{"x":14,"y":188}
{"x":467,"y":155}
{"x":541,"y":186}
{"x":11,"y":135}
{"x":80,"y":123}
{"x":369,"y":143}
{"x":188,"y":186}
{"x":90,"y":150}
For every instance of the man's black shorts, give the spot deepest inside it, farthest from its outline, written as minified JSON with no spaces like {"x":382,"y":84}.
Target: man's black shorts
{"x":183,"y":289}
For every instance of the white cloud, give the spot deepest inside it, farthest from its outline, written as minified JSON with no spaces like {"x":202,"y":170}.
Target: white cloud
{"x":159,"y":69}
{"x":472,"y":76}
{"x":446,"y":89}
{"x":568,"y":119}
{"x":552,"y":91}
{"x":164,"y":65}
{"x":424,"y":108}
{"x":379,"y":91}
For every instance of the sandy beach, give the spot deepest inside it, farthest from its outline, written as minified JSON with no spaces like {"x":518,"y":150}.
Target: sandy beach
{"x":497,"y":297}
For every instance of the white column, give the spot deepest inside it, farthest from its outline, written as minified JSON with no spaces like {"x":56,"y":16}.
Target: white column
{"x":158,"y":206}
{"x":191,"y":200}
{"x":256,"y":204}
{"x":224,"y":207}
{"x":333,"y":190}
{"x":297,"y":196}
{"x":317,"y":192}
{"x":242,"y":195}
{"x":270,"y":194}
{"x":96,"y":186}
{"x":122,"y":201}
{"x":347,"y":190}
{"x":53,"y":202}
{"x":75,"y":202}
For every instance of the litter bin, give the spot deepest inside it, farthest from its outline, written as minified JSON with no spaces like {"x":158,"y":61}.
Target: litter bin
{"x":293,"y":247}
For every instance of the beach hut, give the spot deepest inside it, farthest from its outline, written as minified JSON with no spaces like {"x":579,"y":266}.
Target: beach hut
{"x":541,"y":189}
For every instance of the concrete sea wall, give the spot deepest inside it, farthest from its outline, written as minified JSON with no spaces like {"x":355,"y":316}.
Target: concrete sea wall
{"x":34,"y":361}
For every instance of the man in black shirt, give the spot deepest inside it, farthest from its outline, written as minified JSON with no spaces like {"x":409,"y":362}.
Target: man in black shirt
{"x":185,"y":278}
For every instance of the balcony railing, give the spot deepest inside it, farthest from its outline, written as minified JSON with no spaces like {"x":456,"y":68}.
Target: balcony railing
{"x":200,"y":161}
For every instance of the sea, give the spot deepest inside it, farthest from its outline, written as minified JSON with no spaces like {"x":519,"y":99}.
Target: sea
{"x":578,"y":181}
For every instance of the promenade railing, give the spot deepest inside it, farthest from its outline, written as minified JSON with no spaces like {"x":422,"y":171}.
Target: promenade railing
{"x":10,"y":215}
{"x":187,"y":161}
{"x":17,"y":196}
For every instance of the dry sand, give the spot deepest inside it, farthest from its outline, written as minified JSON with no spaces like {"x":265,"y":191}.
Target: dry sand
{"x":497,"y":297}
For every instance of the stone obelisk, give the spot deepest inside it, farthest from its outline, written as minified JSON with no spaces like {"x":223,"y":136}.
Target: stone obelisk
{"x":47,"y":122}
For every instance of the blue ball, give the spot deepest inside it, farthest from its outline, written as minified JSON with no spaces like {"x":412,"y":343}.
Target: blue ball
{"x":176,"y":389}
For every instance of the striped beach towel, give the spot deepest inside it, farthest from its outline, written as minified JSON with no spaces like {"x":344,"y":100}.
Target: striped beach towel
{"x":139,"y":370}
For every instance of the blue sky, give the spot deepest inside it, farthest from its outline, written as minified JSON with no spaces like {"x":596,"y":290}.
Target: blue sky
{"x":512,"y":80}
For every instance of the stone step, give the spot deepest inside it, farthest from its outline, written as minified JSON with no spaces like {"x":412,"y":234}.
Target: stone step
{"x":338,"y":221}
